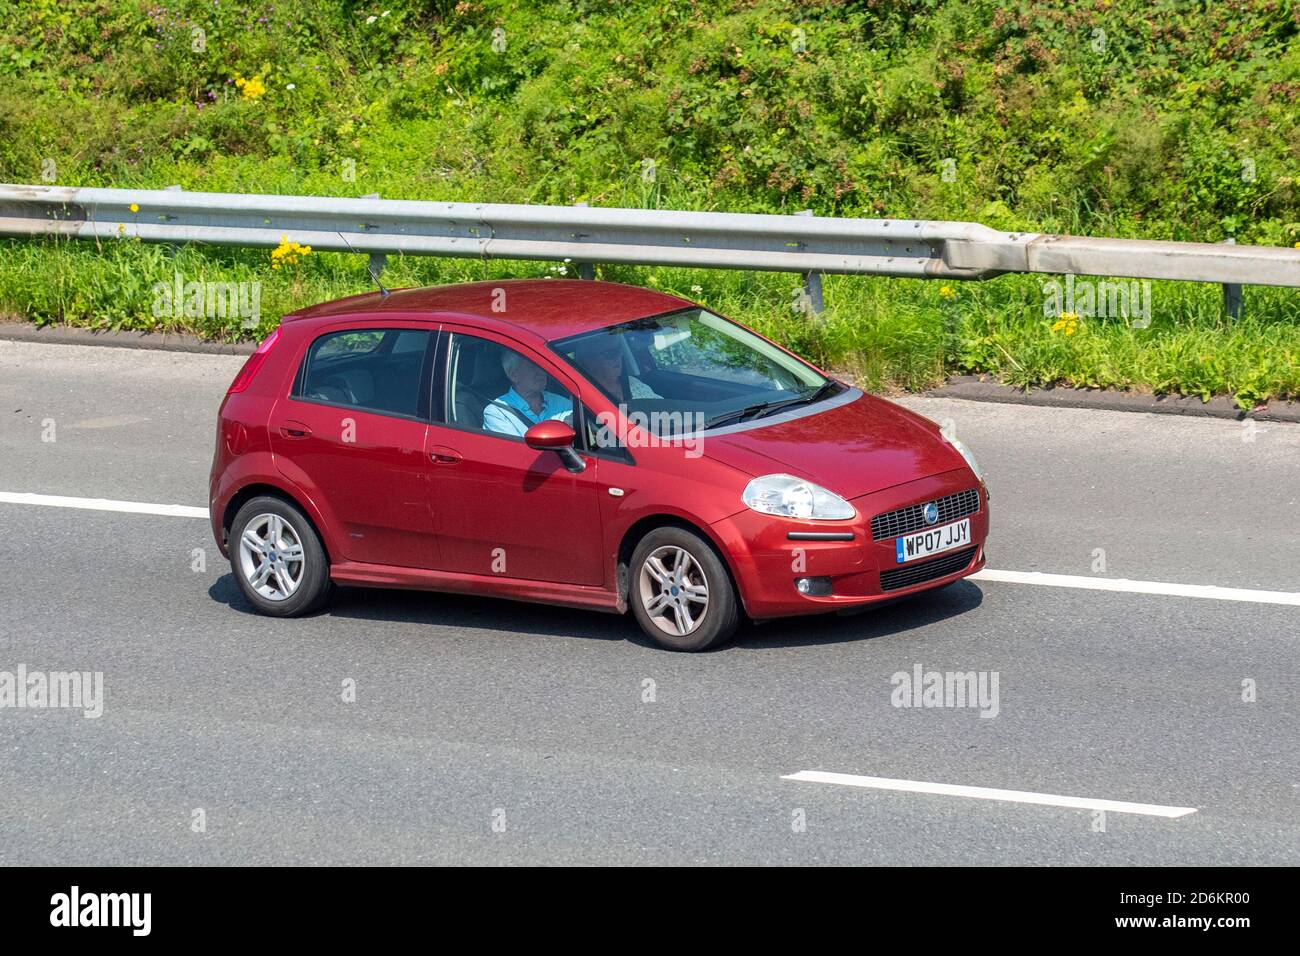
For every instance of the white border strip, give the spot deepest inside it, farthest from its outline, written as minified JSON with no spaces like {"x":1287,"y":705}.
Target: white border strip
{"x":987,"y":793}
{"x":1210,"y":591}
{"x":103,"y":504}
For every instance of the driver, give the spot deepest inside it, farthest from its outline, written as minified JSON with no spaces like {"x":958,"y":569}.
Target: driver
{"x":527,"y":402}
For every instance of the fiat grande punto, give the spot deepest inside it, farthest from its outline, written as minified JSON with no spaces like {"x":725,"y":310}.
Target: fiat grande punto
{"x":578,"y":443}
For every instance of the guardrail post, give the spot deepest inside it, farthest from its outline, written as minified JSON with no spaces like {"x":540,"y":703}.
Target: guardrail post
{"x":814,"y":303}
{"x":812,"y":290}
{"x":173,"y":247}
{"x":586,"y":270}
{"x":1231,"y":293}
{"x":378,"y":260}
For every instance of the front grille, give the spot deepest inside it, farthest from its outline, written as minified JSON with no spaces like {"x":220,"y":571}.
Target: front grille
{"x":912,"y":518}
{"x":905,"y":577}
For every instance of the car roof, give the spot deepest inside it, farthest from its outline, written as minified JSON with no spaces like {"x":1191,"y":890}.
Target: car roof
{"x":550,"y":308}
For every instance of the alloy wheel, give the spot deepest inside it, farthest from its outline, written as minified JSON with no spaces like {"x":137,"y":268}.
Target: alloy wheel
{"x":674,"y":590}
{"x":271,"y":557}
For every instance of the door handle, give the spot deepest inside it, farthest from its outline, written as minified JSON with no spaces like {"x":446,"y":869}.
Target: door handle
{"x":294,"y":430}
{"x":443,"y":455}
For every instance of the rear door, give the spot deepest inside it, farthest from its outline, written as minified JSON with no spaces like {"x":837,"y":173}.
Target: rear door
{"x":354,"y":433}
{"x":501,"y":508}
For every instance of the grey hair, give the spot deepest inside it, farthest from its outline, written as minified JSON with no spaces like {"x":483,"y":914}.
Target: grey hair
{"x":510,"y":360}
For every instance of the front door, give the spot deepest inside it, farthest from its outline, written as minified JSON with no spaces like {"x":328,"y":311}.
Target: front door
{"x":500,"y":508}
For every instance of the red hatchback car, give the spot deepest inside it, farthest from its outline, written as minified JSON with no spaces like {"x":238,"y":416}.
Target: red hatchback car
{"x":579,"y":443}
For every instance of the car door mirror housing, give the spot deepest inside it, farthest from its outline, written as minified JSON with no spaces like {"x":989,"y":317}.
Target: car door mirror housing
{"x":556,"y":436}
{"x":550,"y":435}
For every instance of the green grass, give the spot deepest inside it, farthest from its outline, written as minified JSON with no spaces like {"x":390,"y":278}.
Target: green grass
{"x":888,"y":334}
{"x":1134,"y":118}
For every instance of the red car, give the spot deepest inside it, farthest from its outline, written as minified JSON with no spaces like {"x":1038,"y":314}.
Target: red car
{"x":579,"y":443}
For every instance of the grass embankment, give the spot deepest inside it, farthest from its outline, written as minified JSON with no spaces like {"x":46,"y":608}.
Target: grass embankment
{"x":1129,"y":118}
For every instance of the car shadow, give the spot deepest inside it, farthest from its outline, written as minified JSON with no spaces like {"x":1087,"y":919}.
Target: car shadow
{"x":402,"y":606}
{"x":495,"y":614}
{"x":882,"y":620}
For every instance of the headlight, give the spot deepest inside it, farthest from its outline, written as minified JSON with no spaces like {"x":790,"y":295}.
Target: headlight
{"x":792,"y":497}
{"x":969,"y":456}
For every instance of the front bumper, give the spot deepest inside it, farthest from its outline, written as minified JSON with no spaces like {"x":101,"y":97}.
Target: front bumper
{"x":766,"y":561}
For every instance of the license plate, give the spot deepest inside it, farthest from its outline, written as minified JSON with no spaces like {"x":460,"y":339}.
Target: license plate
{"x":934,"y":541}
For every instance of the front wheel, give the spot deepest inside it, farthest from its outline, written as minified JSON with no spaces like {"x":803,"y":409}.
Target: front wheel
{"x":680,"y":591}
{"x":278,"y":559}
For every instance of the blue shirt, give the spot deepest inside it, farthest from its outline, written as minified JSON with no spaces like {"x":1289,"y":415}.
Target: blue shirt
{"x":499,"y":420}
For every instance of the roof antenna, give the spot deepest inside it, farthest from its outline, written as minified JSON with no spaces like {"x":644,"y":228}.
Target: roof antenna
{"x":376,"y":265}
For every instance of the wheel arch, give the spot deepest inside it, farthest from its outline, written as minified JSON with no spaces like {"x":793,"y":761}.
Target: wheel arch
{"x":260,"y":488}
{"x":647,"y":523}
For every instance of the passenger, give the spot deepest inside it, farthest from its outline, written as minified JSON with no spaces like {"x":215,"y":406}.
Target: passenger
{"x":602,"y":359}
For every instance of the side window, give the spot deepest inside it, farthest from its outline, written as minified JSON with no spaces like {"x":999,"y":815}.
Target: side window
{"x":347,"y":344}
{"x":410,"y":340}
{"x":377,"y":370}
{"x":495,"y":389}
{"x":600,"y":435}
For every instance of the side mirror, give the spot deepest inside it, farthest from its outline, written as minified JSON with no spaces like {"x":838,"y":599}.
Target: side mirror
{"x":550,"y":435}
{"x":556,"y":436}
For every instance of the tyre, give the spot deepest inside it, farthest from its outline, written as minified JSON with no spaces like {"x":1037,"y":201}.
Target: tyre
{"x":278,"y":560}
{"x":680,"y":591}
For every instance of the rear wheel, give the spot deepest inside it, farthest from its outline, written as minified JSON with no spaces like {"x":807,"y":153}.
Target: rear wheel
{"x":680,"y":591}
{"x":278,"y":559}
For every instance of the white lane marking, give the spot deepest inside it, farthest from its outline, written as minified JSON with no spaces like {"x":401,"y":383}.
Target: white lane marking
{"x":1210,"y":591}
{"x":102,"y":504}
{"x":113,"y":421}
{"x":1042,"y":578}
{"x":988,"y":793}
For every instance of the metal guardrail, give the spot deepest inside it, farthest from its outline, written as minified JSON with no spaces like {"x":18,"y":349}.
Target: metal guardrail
{"x":811,"y":245}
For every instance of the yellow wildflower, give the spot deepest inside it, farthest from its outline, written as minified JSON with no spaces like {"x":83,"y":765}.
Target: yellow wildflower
{"x":288,"y":253}
{"x":947,"y":292}
{"x":251,"y":88}
{"x":1067,"y":324}
{"x":134,"y":208}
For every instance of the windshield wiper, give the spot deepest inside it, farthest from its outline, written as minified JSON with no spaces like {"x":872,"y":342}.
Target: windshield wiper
{"x":762,"y":409}
{"x":738,"y":415}
{"x":808,"y":398}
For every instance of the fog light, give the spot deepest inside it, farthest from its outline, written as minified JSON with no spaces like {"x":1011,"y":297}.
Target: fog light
{"x":813,"y":587}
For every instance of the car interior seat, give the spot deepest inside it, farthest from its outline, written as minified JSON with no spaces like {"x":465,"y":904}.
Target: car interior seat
{"x":479,"y":380}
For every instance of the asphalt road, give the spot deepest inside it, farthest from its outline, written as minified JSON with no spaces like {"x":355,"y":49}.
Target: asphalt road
{"x":491,"y":732}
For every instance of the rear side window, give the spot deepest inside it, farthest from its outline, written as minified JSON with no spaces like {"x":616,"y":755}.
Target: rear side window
{"x":377,"y":370}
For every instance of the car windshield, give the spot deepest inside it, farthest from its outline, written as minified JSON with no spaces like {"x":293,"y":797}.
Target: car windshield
{"x":690,"y":370}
